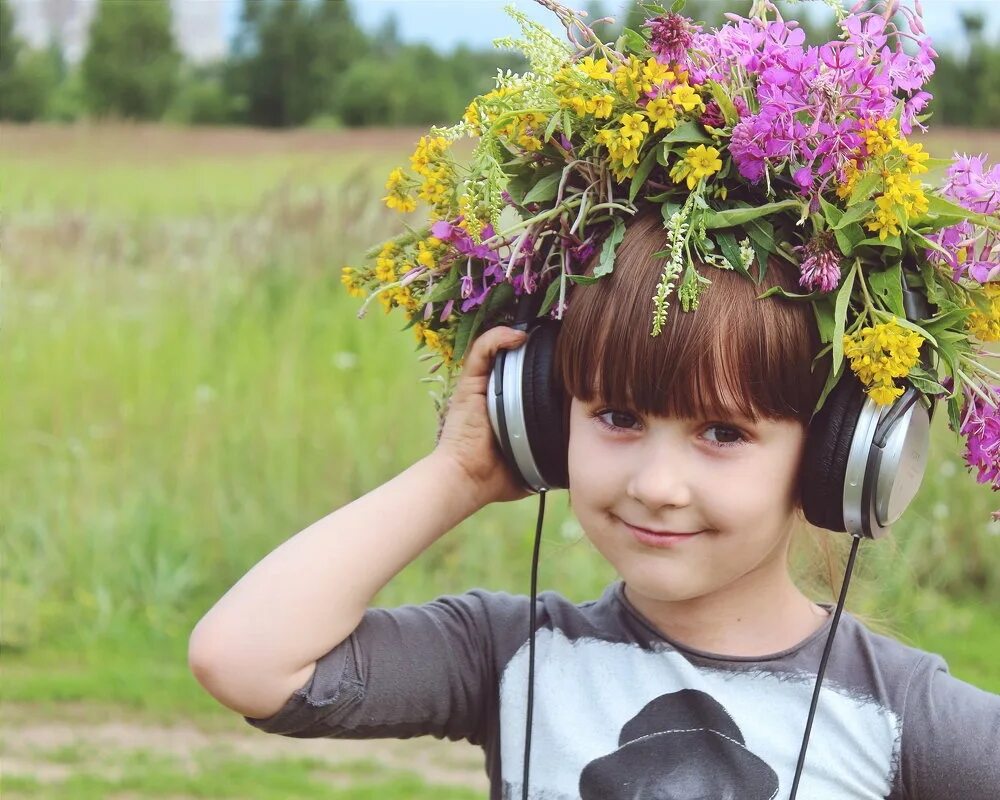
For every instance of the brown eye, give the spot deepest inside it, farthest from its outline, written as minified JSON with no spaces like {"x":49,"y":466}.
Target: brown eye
{"x":610,"y":418}
{"x":727,"y":436}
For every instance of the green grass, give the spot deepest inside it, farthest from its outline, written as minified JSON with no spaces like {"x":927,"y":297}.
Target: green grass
{"x":186,"y":386}
{"x":220,"y":775}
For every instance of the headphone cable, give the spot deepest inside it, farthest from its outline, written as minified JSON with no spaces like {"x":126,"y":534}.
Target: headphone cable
{"x":822,"y":664}
{"x":531,"y":640}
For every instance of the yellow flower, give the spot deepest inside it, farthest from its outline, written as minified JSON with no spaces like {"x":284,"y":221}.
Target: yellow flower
{"x":634,"y":127}
{"x":627,"y":78}
{"x":399,"y":192}
{"x":428,"y":152}
{"x":698,"y":162}
{"x":851,"y":177}
{"x":915,"y":156}
{"x":601,"y":106}
{"x":348,"y":277}
{"x":662,"y":112}
{"x":986,"y":327}
{"x":884,"y":393}
{"x":578,"y":105}
{"x":598,"y":70}
{"x":885,"y":218}
{"x":654,"y":74}
{"x":686,"y":97}
{"x":881,"y":353}
{"x":880,"y":136}
{"x":471,"y":116}
{"x":385,"y":269}
{"x":400,"y":203}
{"x":427,"y":255}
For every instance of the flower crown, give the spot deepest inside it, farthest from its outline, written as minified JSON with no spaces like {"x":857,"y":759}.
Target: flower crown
{"x":755,"y":146}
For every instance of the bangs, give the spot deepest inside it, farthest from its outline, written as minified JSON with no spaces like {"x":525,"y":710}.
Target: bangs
{"x":734,"y":356}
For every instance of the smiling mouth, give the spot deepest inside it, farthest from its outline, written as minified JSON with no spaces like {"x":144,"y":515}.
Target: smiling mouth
{"x":660,"y":532}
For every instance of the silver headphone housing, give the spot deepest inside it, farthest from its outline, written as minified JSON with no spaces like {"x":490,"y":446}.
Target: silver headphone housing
{"x":506,"y":399}
{"x":884,"y":471}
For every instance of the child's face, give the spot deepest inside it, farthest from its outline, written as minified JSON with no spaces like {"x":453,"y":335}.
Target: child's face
{"x":732,"y":480}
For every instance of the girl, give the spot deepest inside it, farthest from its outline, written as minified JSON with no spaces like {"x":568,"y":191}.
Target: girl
{"x":690,"y":677}
{"x":634,"y":170}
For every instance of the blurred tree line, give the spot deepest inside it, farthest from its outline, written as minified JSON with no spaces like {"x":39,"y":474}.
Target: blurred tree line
{"x":307,"y":62}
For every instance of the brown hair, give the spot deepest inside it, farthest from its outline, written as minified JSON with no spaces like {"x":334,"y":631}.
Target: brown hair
{"x":734,"y":353}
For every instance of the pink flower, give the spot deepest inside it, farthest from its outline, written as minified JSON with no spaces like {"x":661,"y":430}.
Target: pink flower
{"x":820,"y":267}
{"x":670,"y":37}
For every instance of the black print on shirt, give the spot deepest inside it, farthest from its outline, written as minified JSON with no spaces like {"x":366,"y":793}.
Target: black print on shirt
{"x":680,"y":746}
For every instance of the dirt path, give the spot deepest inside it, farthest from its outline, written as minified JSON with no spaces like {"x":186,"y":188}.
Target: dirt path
{"x":31,"y":741}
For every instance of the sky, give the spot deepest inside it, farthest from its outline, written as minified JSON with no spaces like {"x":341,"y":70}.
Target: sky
{"x":204,"y":27}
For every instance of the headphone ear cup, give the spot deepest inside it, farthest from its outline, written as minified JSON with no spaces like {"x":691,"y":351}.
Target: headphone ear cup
{"x":543,"y":404}
{"x":828,"y":446}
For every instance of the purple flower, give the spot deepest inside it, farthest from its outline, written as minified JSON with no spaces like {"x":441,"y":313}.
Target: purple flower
{"x":866,"y":31}
{"x":670,"y":37}
{"x":973,"y":251}
{"x":712,"y":115}
{"x":981,"y":429}
{"x":820,"y":267}
{"x":746,"y":151}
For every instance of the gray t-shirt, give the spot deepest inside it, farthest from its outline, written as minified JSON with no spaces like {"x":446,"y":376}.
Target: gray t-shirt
{"x":622,"y":712}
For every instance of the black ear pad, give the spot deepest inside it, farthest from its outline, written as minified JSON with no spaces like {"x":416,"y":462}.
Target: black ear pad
{"x":828,"y":445}
{"x":543,"y":404}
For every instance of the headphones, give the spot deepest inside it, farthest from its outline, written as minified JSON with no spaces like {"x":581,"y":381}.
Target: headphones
{"x":862,"y":465}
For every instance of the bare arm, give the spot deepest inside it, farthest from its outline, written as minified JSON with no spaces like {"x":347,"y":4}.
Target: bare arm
{"x":261,"y":640}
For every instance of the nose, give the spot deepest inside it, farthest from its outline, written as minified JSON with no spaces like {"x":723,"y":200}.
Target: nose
{"x":661,"y":478}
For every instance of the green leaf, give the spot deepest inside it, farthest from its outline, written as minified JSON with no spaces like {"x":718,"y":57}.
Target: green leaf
{"x":611,"y":242}
{"x":551,"y":293}
{"x":886,"y":285}
{"x":866,"y":186}
{"x":955,"y":414}
{"x":550,"y":128}
{"x":739,"y":216}
{"x":633,"y":40}
{"x":667,"y":210}
{"x":731,"y":251}
{"x":942,"y":208}
{"x":641,"y":173}
{"x":725,"y":103}
{"x":586,"y":280}
{"x":855,"y":214}
{"x":840,"y":316}
{"x":445,"y":287}
{"x":925,"y":382}
{"x":545,"y":189}
{"x":936,"y":326}
{"x":831,"y":380}
{"x":677,"y":6}
{"x":831,"y":212}
{"x":567,"y":124}
{"x":848,"y":238}
{"x":891,"y":243}
{"x":824,"y":311}
{"x":663,"y":153}
{"x":937,"y":163}
{"x":790,"y":295}
{"x":688,"y":132}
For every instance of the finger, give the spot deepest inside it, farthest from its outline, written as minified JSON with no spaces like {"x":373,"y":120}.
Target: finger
{"x":485,"y":348}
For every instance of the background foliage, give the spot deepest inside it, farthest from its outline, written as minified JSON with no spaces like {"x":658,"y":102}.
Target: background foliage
{"x":299,"y":62}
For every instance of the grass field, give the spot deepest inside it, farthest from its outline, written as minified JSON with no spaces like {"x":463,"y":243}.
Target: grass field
{"x":186,"y":385}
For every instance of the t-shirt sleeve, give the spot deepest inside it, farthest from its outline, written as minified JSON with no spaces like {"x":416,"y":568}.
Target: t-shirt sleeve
{"x":951,"y":736}
{"x":407,"y":671}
